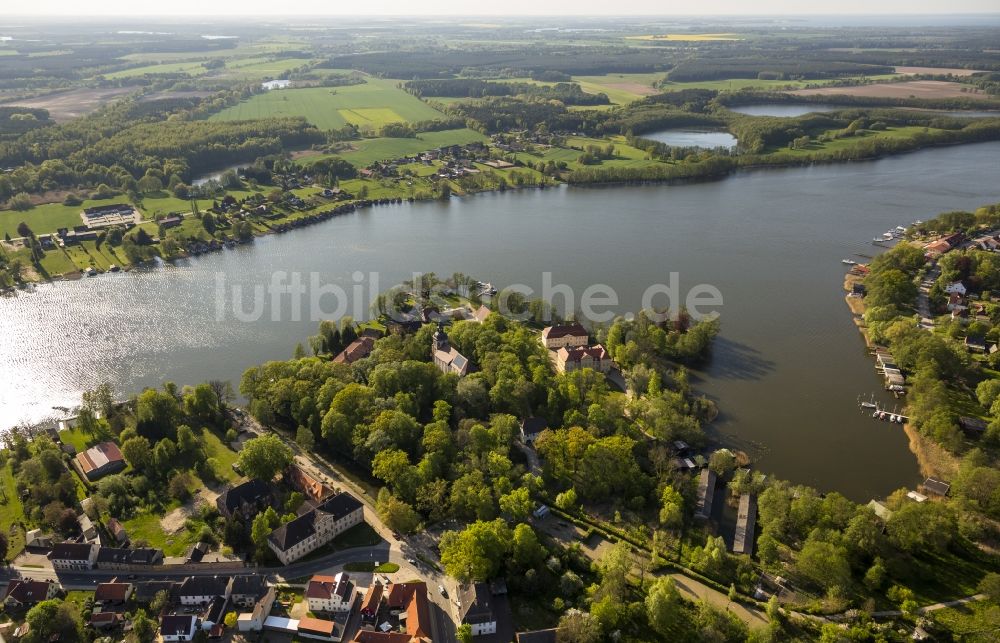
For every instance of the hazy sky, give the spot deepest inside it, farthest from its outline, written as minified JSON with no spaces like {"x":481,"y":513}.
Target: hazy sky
{"x":507,"y":7}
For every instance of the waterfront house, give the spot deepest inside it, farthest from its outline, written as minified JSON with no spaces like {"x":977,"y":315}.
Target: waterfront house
{"x":574,"y":358}
{"x":330,"y":593}
{"x":73,"y":556}
{"x":972,"y":427}
{"x":935,"y":487}
{"x":245,"y":500}
{"x":356,"y":350}
{"x":481,"y":314}
{"x":706,"y":494}
{"x":746,"y":524}
{"x":100,"y":460}
{"x":560,"y":335}
{"x":316,"y":528}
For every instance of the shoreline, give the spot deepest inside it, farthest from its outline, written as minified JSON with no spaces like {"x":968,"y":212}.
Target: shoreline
{"x":932,"y":459}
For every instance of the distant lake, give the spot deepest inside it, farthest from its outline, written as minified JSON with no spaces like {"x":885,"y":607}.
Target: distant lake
{"x":787,"y":110}
{"x":693,"y":138}
{"x":786,"y":370}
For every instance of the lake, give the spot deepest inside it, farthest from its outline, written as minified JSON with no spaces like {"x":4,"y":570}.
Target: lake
{"x":706,"y":139}
{"x":786,"y":370}
{"x":787,"y":110}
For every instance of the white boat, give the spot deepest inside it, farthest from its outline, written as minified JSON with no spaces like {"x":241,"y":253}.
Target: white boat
{"x":869,"y":405}
{"x":901,"y":228}
{"x":848,"y":262}
{"x":877,"y":239}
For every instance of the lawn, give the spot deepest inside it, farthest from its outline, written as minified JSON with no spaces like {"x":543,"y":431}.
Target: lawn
{"x":11,"y":512}
{"x":851,"y":141}
{"x":371,"y":104}
{"x":49,"y":217}
{"x":217,"y":449}
{"x":625,"y":155}
{"x":146,"y":527}
{"x":77,"y":438}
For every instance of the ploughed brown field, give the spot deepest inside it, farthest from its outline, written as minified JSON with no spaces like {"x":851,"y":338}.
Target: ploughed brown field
{"x":914,"y":88}
{"x":65,"y":106}
{"x":954,"y":71}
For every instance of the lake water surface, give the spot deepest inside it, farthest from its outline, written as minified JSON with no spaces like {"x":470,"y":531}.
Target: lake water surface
{"x":786,"y":370}
{"x":705,"y":139}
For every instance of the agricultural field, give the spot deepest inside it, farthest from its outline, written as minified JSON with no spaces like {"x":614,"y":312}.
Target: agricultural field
{"x":189,"y":68}
{"x":367,"y":151}
{"x":64,"y":106}
{"x":910,"y":89}
{"x":370,"y":105}
{"x":263,"y":67}
{"x":620,"y":88}
{"x":48,"y":217}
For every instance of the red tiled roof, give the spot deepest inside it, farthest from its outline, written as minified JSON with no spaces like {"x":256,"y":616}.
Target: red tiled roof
{"x":112,"y":592}
{"x":321,"y":587}
{"x":99,"y":455}
{"x":357,"y":350}
{"x":317,"y":626}
{"x":412,"y":597}
{"x":373,"y":597}
{"x":368,"y":636}
{"x":27,"y":591}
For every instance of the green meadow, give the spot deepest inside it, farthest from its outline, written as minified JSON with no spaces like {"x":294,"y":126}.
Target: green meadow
{"x":372,"y":105}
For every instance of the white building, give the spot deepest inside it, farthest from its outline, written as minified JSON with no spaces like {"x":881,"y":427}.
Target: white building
{"x":330,"y":593}
{"x":73,"y":556}
{"x":178,"y":627}
{"x":312,"y":530}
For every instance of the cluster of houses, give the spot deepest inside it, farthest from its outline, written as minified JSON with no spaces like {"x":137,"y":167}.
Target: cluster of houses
{"x":934,"y":249}
{"x":570,"y":349}
{"x":886,"y":366}
{"x":326,"y":514}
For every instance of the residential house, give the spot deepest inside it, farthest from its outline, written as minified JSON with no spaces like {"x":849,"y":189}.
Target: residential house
{"x":560,"y":335}
{"x":178,"y":627}
{"x":100,"y":460}
{"x":359,"y":349}
{"x":481,"y":314}
{"x":117,"y":532}
{"x":988,"y":243}
{"x":956,"y":302}
{"x":476,"y":610}
{"x":972,"y":427}
{"x":73,"y":556}
{"x":248,"y":590}
{"x":197,"y":552}
{"x":313,"y":529}
{"x":36,"y":539}
{"x":215,"y":613}
{"x":319,"y":629}
{"x":371,"y":602}
{"x":105,"y":620}
{"x":311,"y":488}
{"x":935,"y":249}
{"x":200,"y":590}
{"x":87,"y":527}
{"x":975,"y":344}
{"x":113,"y":594}
{"x":446,"y":358}
{"x":253,"y":621}
{"x":330,"y":593}
{"x":246,"y":499}
{"x":412,"y":599}
{"x":956,"y":287}
{"x":123,"y":559}
{"x":24,"y":593}
{"x":531,"y":428}
{"x":569,"y":359}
